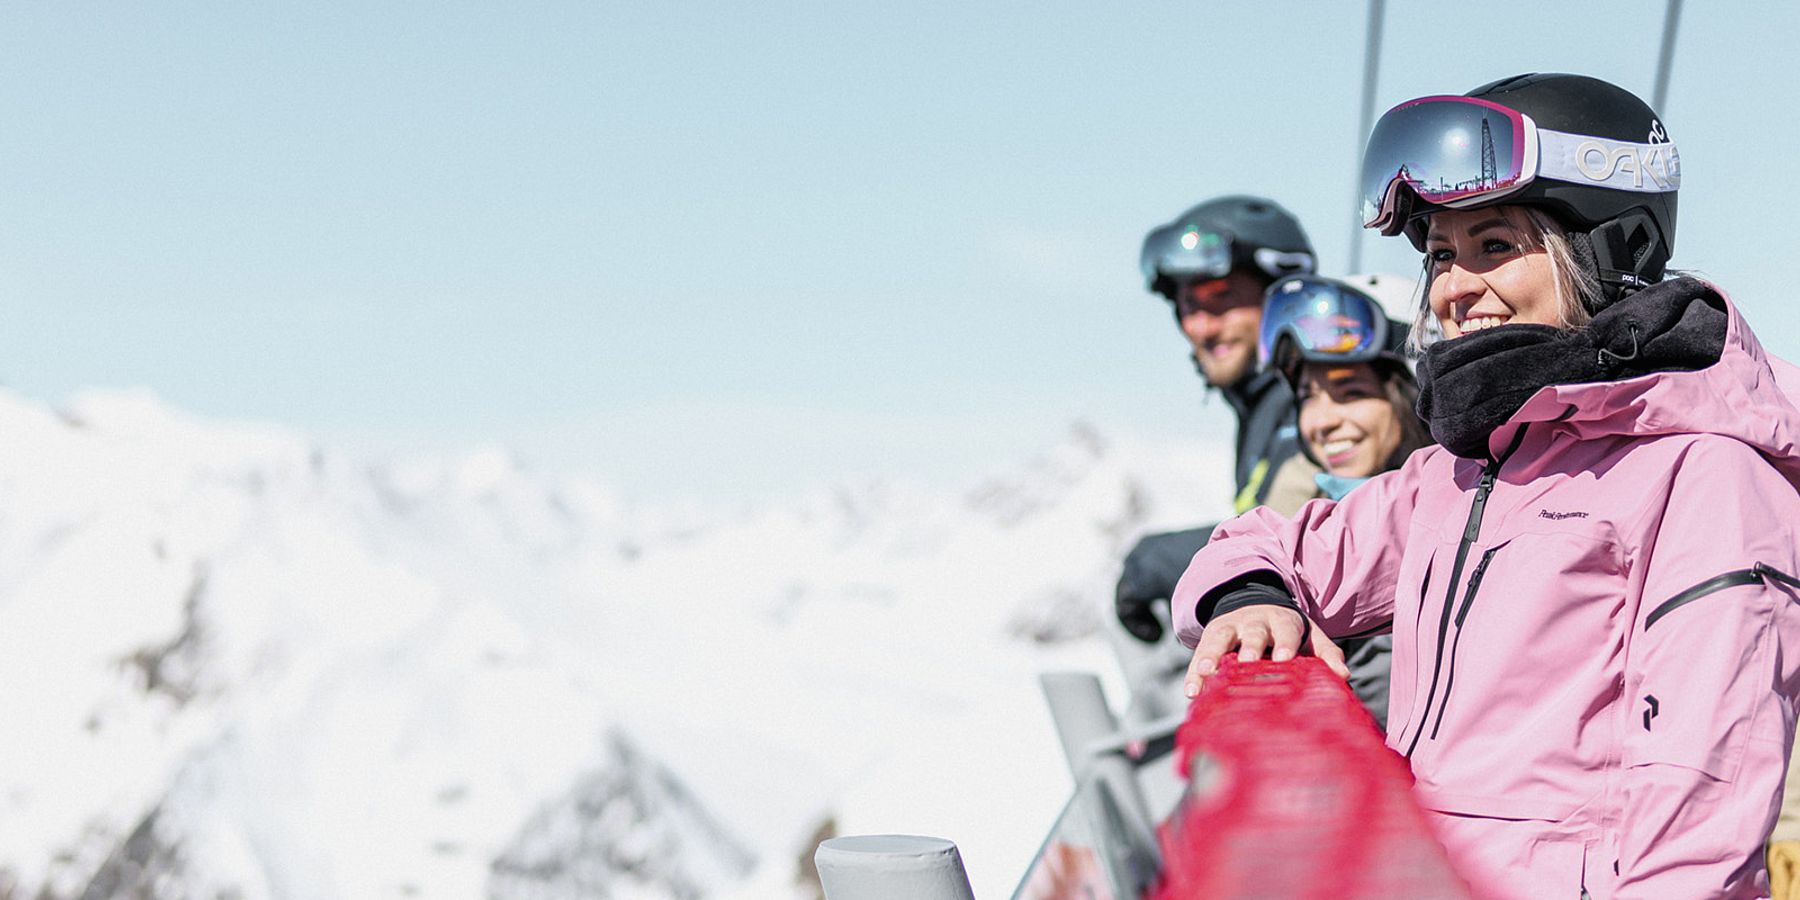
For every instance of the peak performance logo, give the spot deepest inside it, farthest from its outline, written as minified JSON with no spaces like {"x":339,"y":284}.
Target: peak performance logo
{"x":1559,"y":516}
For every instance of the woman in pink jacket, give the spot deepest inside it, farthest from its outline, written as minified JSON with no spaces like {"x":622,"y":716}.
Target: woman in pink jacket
{"x":1591,"y":582}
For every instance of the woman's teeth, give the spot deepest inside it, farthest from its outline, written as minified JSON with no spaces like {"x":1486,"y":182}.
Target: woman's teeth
{"x":1480,"y":323}
{"x":1334,"y":448}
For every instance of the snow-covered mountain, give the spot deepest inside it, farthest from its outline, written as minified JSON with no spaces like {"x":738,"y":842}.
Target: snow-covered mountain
{"x":234,"y":663}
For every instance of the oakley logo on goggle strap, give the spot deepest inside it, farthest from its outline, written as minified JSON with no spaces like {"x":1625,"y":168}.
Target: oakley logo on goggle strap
{"x":1621,"y":165}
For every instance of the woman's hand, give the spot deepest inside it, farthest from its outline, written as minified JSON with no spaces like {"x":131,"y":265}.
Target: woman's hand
{"x":1253,"y":631}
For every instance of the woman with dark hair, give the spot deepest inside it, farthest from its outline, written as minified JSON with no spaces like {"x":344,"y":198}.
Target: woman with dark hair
{"x":1591,"y":582}
{"x":1342,"y":356}
{"x":1355,"y":394}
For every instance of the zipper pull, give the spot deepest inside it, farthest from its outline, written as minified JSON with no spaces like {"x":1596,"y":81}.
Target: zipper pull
{"x":1483,"y":487}
{"x":1474,"y":585}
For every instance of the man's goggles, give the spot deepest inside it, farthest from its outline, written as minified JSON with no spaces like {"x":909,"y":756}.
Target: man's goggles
{"x":1460,"y":152}
{"x":1186,"y":252}
{"x":1311,"y":319}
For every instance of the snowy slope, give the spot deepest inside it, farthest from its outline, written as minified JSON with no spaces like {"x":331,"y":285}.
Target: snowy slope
{"x":234,"y":663}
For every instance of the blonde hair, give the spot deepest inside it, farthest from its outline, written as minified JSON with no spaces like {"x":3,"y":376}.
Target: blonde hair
{"x":1577,"y":287}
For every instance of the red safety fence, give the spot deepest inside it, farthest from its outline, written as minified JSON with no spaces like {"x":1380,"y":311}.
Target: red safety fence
{"x":1293,"y":794}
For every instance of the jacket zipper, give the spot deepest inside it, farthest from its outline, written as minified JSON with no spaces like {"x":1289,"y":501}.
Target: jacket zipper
{"x":1461,"y":614}
{"x":1471,"y":531}
{"x":1758,"y":573}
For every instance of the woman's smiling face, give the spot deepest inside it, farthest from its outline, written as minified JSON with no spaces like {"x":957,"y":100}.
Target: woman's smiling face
{"x":1346,"y":418}
{"x":1488,"y":268}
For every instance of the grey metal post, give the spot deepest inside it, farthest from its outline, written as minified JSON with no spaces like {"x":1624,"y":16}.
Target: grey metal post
{"x":1153,"y":675}
{"x":1371,"y":71}
{"x":1665,"y":58}
{"x":1078,"y":707}
{"x":1086,"y":726}
{"x":891,"y":866}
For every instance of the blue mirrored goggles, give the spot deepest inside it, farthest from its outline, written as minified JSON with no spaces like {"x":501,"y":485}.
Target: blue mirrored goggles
{"x":1311,"y":319}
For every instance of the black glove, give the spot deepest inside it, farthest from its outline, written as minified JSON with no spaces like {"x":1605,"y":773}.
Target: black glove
{"x":1151,"y":570}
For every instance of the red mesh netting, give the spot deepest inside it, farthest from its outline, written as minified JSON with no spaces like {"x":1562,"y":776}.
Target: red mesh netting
{"x":1293,"y":794}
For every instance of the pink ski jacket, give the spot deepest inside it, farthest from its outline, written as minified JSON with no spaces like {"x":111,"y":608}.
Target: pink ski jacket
{"x":1596,"y":640}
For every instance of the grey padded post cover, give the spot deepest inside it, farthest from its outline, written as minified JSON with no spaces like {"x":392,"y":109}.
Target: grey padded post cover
{"x":891,"y":867}
{"x":1078,"y":708}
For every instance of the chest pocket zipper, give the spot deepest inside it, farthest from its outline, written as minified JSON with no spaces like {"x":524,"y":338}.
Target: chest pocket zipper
{"x":1471,"y":531}
{"x":1461,"y":614}
{"x":1490,"y":473}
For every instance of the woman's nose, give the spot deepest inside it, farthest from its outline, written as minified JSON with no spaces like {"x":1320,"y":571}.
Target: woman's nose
{"x":1323,"y":417}
{"x":1459,"y":286}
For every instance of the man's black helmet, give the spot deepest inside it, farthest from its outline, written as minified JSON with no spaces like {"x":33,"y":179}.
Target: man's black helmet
{"x":1220,"y":235}
{"x":1624,"y":237}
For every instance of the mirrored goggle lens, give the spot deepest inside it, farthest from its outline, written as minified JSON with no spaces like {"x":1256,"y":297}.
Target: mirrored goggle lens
{"x":1446,"y":149}
{"x":1322,"y":321}
{"x":1187,"y":252}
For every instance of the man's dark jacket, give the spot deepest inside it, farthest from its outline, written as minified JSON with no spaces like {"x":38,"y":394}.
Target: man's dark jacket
{"x":1266,"y":437}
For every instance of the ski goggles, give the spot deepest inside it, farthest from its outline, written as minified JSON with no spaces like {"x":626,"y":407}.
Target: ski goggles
{"x":1187,"y":252}
{"x":1459,"y":152}
{"x":1311,"y":319}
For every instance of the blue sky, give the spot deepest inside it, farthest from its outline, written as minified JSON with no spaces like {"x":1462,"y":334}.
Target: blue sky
{"x":734,"y":249}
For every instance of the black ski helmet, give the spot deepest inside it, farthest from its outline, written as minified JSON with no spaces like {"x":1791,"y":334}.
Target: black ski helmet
{"x":1623,"y":238}
{"x":1247,"y":231}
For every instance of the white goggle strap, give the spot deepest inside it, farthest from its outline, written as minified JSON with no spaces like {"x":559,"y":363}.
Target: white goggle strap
{"x":1649,"y":168}
{"x":1277,"y":263}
